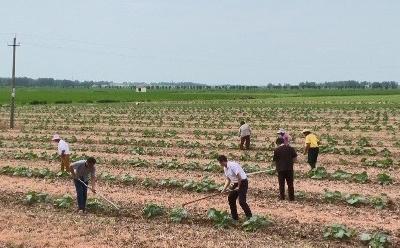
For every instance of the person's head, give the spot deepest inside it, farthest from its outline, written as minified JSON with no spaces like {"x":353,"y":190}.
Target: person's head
{"x":306,"y":132}
{"x":56,"y":138}
{"x":281,"y":131}
{"x":91,"y":161}
{"x":242,"y":122}
{"x":279,"y":141}
{"x":223,"y":160}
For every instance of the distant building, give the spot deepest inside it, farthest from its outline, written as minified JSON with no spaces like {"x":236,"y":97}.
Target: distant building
{"x":141,"y":88}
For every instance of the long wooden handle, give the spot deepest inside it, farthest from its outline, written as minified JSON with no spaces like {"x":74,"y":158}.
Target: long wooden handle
{"x":104,"y":198}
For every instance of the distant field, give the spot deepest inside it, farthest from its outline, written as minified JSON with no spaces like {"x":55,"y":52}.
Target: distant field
{"x":61,"y":95}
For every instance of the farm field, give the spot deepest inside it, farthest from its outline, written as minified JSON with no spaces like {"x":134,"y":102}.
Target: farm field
{"x":163,"y":154}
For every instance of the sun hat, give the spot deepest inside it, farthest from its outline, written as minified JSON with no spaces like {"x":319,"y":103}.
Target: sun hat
{"x":306,"y":130}
{"x":281,"y":130}
{"x":56,"y":137}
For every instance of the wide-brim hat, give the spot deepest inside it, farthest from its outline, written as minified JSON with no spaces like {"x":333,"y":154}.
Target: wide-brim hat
{"x":306,"y":130}
{"x":281,"y":130}
{"x":56,"y":137}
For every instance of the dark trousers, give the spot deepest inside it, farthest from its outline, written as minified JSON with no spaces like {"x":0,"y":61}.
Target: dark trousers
{"x":243,"y":140}
{"x":81,"y":193}
{"x":313,"y":156}
{"x":241,"y":194}
{"x":288,"y":177}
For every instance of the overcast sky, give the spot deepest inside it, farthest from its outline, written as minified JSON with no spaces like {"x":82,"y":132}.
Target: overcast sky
{"x":210,"y":41}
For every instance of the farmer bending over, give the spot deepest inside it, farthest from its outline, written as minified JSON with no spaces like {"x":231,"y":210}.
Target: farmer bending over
{"x":235,"y":174}
{"x":80,"y":171}
{"x":311,"y":147}
{"x":63,"y":151}
{"x":244,"y":133}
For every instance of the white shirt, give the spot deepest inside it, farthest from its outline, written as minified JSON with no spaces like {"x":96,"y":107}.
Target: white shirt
{"x":244,"y":130}
{"x":63,"y":146}
{"x":232,"y":170}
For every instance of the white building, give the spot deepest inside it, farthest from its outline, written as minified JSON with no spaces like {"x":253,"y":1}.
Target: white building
{"x":141,"y":88}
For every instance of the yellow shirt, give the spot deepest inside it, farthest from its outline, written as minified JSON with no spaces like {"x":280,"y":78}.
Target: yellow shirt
{"x":312,"y":140}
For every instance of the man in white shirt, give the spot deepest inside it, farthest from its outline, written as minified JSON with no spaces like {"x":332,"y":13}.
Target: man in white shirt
{"x":244,"y":133}
{"x":235,"y":174}
{"x":63,"y":152}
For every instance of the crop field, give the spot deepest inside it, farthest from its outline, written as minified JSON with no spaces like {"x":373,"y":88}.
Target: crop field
{"x":155,"y":156}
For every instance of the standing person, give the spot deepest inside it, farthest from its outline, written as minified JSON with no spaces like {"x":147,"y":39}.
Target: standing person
{"x":244,"y":133}
{"x":286,"y":137}
{"x":311,"y":147}
{"x":81,"y":170}
{"x":63,"y":152}
{"x":235,"y":174}
{"x":284,"y":158}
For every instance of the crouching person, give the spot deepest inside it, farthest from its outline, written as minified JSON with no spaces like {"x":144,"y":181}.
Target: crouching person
{"x":80,"y":171}
{"x":235,"y":174}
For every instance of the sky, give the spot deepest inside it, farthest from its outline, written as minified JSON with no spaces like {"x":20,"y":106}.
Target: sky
{"x":253,"y":42}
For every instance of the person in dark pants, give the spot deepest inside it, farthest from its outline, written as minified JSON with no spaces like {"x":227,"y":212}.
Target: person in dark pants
{"x":80,"y":171}
{"x":235,"y":174}
{"x":311,"y":148}
{"x":244,"y":134}
{"x":284,"y":158}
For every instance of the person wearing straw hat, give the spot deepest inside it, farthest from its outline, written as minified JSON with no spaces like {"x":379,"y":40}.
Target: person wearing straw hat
{"x":311,"y":147}
{"x":285,"y":136}
{"x":63,"y":151}
{"x":236,"y":175}
{"x":244,"y":134}
{"x":80,"y":171}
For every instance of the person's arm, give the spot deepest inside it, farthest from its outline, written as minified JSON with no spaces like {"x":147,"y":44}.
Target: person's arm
{"x":93,"y":183}
{"x":294,"y":156}
{"x":306,"y":148}
{"x":227,"y":183}
{"x":239,"y":180}
{"x":71,"y":169}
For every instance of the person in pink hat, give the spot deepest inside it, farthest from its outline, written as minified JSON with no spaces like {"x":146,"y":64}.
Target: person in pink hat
{"x":63,"y":152}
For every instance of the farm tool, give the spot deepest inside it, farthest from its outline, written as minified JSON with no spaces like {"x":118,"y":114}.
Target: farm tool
{"x":101,"y":196}
{"x":216,"y":194}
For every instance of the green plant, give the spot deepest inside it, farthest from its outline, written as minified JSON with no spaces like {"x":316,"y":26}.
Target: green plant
{"x":355,"y":199}
{"x":178,"y":214}
{"x":360,"y":177}
{"x":256,"y":222}
{"x":152,"y":210}
{"x":128,"y":179}
{"x":95,"y":205}
{"x":332,"y":196}
{"x":34,"y":197}
{"x":318,"y":173}
{"x":384,"y":179}
{"x":64,"y":202}
{"x":341,"y":175}
{"x":221,"y":218}
{"x":337,"y":231}
{"x":380,"y":202}
{"x":376,"y":240}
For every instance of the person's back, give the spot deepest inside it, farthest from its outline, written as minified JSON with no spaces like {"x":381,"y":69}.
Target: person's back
{"x":284,"y":157}
{"x":244,"y":130}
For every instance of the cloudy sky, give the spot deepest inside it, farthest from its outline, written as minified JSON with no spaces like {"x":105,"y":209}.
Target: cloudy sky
{"x":209,"y":41}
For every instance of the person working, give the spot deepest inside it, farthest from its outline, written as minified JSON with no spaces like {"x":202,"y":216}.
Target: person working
{"x":284,"y":158}
{"x":244,"y":134}
{"x":286,"y":137}
{"x":311,"y":147}
{"x":63,"y":151}
{"x":235,"y":174}
{"x":80,"y":171}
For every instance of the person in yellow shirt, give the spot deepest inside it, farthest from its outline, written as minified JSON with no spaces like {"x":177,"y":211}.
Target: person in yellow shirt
{"x":311,"y":147}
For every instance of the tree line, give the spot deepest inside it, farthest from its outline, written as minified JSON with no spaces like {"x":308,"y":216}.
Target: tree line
{"x":64,"y":83}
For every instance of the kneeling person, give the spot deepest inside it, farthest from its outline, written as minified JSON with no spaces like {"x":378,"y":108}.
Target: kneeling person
{"x":235,"y":174}
{"x":81,"y":170}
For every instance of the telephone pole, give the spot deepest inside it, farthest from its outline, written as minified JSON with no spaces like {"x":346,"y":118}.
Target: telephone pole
{"x":14,"y":45}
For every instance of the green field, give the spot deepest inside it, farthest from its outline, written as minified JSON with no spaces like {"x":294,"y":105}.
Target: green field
{"x":70,"y":95}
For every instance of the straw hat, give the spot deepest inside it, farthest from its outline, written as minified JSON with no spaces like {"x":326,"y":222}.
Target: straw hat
{"x":281,"y":130}
{"x":56,"y":137}
{"x":306,"y":130}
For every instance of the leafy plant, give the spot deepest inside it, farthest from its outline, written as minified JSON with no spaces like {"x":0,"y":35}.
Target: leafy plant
{"x":376,"y":240}
{"x":355,"y":199}
{"x":255,"y":222}
{"x":95,"y":205}
{"x":152,"y":210}
{"x":64,"y":202}
{"x":35,"y":197}
{"x":128,"y":179}
{"x":337,"y":231}
{"x":318,"y":173}
{"x":384,"y":179}
{"x":178,"y":215}
{"x":341,"y":175}
{"x":380,"y":202}
{"x":221,"y":219}
{"x":332,"y":196}
{"x":360,"y":177}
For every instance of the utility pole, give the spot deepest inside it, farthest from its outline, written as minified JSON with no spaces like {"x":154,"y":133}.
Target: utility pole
{"x":14,"y":45}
